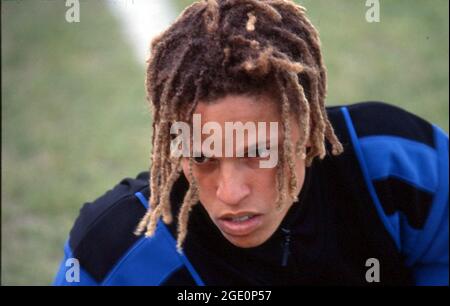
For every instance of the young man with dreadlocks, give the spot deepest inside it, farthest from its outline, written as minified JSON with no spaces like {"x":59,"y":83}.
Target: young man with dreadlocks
{"x":358,"y":184}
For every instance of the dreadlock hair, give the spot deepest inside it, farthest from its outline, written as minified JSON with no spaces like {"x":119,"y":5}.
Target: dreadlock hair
{"x":221,"y":47}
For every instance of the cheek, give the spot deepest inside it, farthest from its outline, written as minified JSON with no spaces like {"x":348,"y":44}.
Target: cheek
{"x":263,"y":184}
{"x":207,"y":194}
{"x":204,"y":179}
{"x":207,"y":183}
{"x":207,"y":187}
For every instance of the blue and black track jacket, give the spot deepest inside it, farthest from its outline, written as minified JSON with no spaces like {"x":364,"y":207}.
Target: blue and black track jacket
{"x":385,"y":197}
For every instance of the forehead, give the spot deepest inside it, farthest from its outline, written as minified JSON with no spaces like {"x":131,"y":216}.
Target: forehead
{"x":239,"y":108}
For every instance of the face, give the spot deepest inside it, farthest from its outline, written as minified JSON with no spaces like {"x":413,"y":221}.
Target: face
{"x":240,"y":196}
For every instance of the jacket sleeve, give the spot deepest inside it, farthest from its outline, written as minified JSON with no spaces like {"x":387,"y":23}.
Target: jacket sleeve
{"x":101,"y":234}
{"x":405,"y":161}
{"x":70,"y":272}
{"x":427,"y":250}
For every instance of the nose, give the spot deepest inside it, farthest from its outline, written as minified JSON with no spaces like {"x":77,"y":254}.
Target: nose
{"x":232,"y":187}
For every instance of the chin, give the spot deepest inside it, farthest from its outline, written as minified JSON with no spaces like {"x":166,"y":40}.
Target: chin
{"x":249,"y":241}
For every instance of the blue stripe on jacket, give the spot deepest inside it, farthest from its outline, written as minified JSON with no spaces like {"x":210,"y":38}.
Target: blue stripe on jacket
{"x":425,"y":168}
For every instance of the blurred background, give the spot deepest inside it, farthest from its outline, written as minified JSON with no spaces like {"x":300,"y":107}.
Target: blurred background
{"x":75,"y":120}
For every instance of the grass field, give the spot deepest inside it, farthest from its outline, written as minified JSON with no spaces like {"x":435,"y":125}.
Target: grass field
{"x":75,"y":120}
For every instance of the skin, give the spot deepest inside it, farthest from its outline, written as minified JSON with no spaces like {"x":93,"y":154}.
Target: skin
{"x":232,"y":185}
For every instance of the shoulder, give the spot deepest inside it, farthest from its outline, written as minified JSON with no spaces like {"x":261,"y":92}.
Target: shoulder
{"x":401,"y":155}
{"x":374,"y":118}
{"x":396,"y":149}
{"x":103,"y":231}
{"x":404,"y":161}
{"x":103,"y":240}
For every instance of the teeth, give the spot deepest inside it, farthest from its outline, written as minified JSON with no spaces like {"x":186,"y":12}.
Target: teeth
{"x":241,"y":219}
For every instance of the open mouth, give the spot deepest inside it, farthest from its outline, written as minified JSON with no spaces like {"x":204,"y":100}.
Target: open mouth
{"x":240,"y":225}
{"x":240,"y":219}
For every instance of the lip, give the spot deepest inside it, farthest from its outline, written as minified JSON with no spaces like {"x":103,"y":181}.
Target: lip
{"x":239,"y":228}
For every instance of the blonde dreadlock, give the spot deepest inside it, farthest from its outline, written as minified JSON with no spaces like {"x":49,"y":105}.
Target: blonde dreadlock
{"x":220,"y":47}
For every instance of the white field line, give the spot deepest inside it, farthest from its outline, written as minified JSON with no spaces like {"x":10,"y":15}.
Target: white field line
{"x":141,"y":20}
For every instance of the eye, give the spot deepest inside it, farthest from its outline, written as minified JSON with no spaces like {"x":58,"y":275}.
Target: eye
{"x":201,"y":159}
{"x":261,"y":154}
{"x":258,"y":153}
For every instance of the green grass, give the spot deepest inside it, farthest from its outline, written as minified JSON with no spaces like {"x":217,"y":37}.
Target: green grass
{"x":74,"y":122}
{"x":403,"y":59}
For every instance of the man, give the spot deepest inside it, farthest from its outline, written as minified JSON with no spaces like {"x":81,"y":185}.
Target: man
{"x":352,"y":186}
